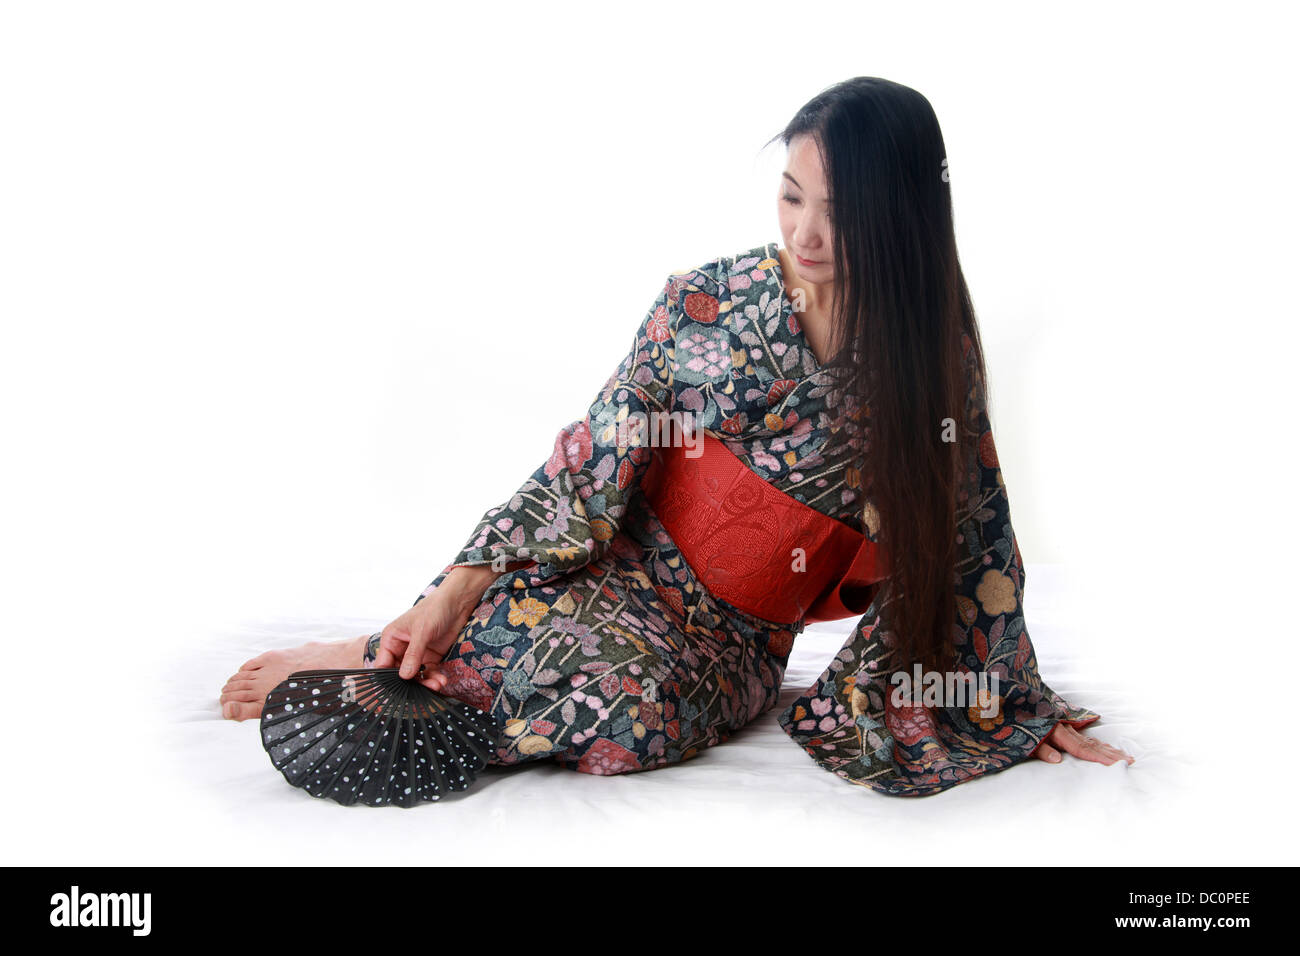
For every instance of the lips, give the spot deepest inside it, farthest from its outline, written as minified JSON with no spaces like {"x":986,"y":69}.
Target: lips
{"x":806,"y":262}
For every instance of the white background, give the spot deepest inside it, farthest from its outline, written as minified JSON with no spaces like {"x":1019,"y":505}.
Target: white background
{"x":293,"y":292}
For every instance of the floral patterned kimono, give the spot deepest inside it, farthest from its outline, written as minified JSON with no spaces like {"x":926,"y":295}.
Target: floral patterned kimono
{"x":607,"y":654}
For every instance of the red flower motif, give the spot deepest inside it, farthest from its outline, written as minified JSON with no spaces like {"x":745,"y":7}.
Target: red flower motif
{"x":465,"y":683}
{"x":657,"y":328}
{"x":605,"y":758}
{"x":672,"y":597}
{"x":988,"y":453}
{"x":702,"y":307}
{"x":779,"y":390}
{"x":648,"y":714}
{"x":572,"y":449}
{"x":625,"y":473}
{"x":780,"y":642}
{"x":1023,"y":650}
{"x":734,"y":425}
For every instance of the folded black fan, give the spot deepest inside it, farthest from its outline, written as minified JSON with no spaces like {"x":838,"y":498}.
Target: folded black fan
{"x":373,"y":737}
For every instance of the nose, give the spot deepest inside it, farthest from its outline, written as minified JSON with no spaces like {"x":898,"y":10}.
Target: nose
{"x":806,"y":236}
{"x":807,"y":244}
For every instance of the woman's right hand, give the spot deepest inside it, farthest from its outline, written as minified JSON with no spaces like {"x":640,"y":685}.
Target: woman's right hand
{"x":423,"y":635}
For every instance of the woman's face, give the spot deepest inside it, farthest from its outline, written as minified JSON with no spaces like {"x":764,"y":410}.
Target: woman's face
{"x":804,"y":211}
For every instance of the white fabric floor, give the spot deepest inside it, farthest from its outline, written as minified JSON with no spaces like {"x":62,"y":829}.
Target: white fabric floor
{"x":754,"y":798}
{"x":175,"y":783}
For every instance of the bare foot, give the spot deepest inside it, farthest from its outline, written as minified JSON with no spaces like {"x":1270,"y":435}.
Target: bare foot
{"x":245,"y":693}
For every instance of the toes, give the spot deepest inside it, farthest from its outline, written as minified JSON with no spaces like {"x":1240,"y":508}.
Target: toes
{"x":240,"y":710}
{"x":240,"y":681}
{"x":240,"y":693}
{"x":247,"y":695}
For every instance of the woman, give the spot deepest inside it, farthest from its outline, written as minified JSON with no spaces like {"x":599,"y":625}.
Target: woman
{"x":600,"y":647}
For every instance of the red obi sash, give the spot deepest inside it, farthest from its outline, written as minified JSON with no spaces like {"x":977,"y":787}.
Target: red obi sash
{"x":737,"y":533}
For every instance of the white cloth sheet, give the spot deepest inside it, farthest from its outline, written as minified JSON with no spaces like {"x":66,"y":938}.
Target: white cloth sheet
{"x":755,"y":798}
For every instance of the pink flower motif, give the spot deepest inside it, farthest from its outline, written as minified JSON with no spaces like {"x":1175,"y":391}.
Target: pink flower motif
{"x":605,"y":758}
{"x":572,"y":450}
{"x":709,"y":356}
{"x":910,"y":724}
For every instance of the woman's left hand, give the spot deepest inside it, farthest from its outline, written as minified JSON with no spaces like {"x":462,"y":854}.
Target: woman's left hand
{"x":1066,"y":738}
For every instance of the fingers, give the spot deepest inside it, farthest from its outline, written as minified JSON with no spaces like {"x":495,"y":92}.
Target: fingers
{"x":418,"y":652}
{"x":1080,"y":745}
{"x":1046,"y":751}
{"x":415,"y":638}
{"x":392,"y":645}
{"x":413,"y":658}
{"x":1111,"y":754}
{"x":434,"y":679}
{"x":1090,"y":748}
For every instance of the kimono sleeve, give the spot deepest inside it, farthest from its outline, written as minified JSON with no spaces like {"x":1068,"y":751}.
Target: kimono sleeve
{"x":852,"y":722}
{"x":568,"y":511}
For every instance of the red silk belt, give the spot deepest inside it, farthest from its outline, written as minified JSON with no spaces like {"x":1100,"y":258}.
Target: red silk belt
{"x":739,"y":535}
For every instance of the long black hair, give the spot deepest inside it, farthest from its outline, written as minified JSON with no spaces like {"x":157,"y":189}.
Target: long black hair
{"x":904,"y":328}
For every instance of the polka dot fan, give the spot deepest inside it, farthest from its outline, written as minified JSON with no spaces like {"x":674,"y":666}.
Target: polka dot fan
{"x":372,"y":737}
